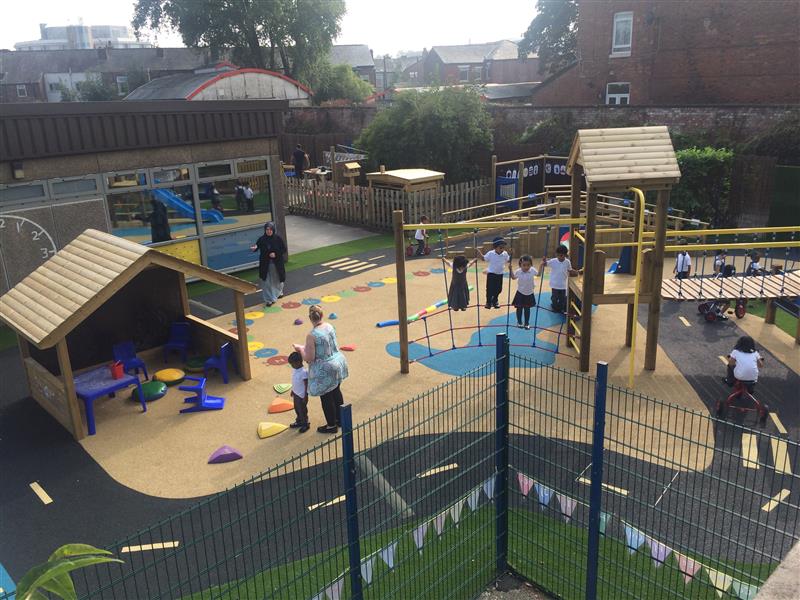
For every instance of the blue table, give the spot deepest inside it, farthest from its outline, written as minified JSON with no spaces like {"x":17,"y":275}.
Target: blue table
{"x":94,"y":384}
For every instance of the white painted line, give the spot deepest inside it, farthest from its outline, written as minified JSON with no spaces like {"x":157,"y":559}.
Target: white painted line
{"x":39,"y":491}
{"x":337,"y":261}
{"x":609,"y":487}
{"x":356,"y":264}
{"x":323,"y":272}
{"x":724,"y":360}
{"x":780,"y":455}
{"x":377,"y":257}
{"x":778,"y":425}
{"x":776,"y":499}
{"x":436,"y":470}
{"x":664,"y":491}
{"x":347,"y":264}
{"x":324,"y":504}
{"x":369,"y":266}
{"x":210,"y":309}
{"x":145,"y":547}
{"x":685,"y":321}
{"x":749,"y":451}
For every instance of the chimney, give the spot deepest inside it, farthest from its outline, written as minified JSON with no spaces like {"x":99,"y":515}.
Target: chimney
{"x":383,"y":168}
{"x":43,"y":31}
{"x":102,"y":53}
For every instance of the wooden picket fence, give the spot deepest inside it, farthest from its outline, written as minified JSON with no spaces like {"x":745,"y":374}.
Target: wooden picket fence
{"x":373,"y":207}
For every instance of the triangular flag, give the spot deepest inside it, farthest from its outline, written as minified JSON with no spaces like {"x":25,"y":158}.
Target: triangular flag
{"x":633,"y":537}
{"x":744,"y":591}
{"x":544,"y":493}
{"x":439,"y":522}
{"x":488,"y":487}
{"x":604,"y":517}
{"x":473,"y":498}
{"x":658,"y":551}
{"x":567,"y":505}
{"x":367,"y":566}
{"x":334,"y":590}
{"x":387,"y":554}
{"x":419,"y":535}
{"x":525,"y":484}
{"x":687,"y":566}
{"x":720,"y":581}
{"x":455,"y":511}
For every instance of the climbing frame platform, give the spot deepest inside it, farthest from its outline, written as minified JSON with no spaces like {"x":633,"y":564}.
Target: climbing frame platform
{"x":732,"y":288}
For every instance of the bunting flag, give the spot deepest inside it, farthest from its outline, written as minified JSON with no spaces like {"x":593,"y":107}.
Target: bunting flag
{"x":439,"y":521}
{"x":720,"y":581}
{"x":387,"y":554}
{"x":488,"y":487}
{"x":658,"y":551}
{"x":473,"y":498}
{"x":455,"y":511}
{"x":744,"y":591}
{"x":604,"y":517}
{"x":419,"y":535}
{"x":525,"y":484}
{"x":544,"y":493}
{"x":687,"y":566}
{"x":567,"y":505}
{"x":334,"y":590}
{"x":633,"y":537}
{"x":367,"y":566}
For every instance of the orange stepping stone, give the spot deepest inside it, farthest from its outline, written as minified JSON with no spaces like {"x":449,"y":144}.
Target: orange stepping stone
{"x":280,"y":405}
{"x":348,"y":348}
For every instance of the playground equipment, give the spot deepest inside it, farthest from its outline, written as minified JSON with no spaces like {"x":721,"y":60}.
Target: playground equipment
{"x":742,"y":392}
{"x":184,"y":208}
{"x":201,"y":399}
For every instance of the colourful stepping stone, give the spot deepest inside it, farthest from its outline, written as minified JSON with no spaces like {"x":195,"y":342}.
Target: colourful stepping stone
{"x":362,"y":288}
{"x":152,"y":390}
{"x":169,"y":376}
{"x":346,"y":293}
{"x":291,"y":304}
{"x":235,"y":330}
{"x":195,"y":364}
{"x":333,"y":317}
{"x":311,"y":301}
{"x":224,"y":454}
{"x":267,"y":429}
{"x":265,"y":352}
{"x":331,"y":298}
{"x":348,"y":348}
{"x":280,"y":405}
{"x":298,"y":321}
{"x":437,"y":270}
{"x":421,"y":273}
{"x":253,"y":346}
{"x":272,"y":309}
{"x":254,"y":315}
{"x":277,"y":361}
{"x":247,"y":322}
{"x":282,"y":388}
{"x":373,"y":284}
{"x":389,"y":280}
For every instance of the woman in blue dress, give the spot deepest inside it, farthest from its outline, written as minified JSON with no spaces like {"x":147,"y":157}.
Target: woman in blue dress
{"x":327,"y":368}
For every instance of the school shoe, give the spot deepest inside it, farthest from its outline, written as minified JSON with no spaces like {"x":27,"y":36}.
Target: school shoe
{"x":519,"y":325}
{"x":295,"y":425}
{"x":495,"y":306}
{"x":488,"y":306}
{"x":527,"y":327}
{"x":328,"y":429}
{"x":304,"y":427}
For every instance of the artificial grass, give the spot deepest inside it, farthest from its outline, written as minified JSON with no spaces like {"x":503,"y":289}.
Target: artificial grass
{"x":785,"y":321}
{"x":8,"y":339}
{"x":304,"y":259}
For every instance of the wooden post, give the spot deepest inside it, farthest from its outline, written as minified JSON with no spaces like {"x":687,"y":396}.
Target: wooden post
{"x":654,"y":308}
{"x":634,"y":251}
{"x":400,"y":274}
{"x":78,"y":430}
{"x":574,"y":213}
{"x":588,"y":279}
{"x":243,"y":356}
{"x":493,"y":191}
{"x":521,"y":182}
{"x":333,"y":165}
{"x":184,"y":293}
{"x":769,"y":314}
{"x":369,"y":218}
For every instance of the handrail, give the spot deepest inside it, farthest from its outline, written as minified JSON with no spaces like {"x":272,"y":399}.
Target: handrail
{"x":512,"y":212}
{"x":519,"y":160}
{"x":494,"y":224}
{"x":469,"y":208}
{"x":743,"y":231}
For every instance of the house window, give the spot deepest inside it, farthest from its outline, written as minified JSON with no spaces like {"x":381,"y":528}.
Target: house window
{"x":463,"y":73}
{"x":623,"y":33}
{"x":413,"y":74}
{"x":122,"y":85}
{"x":22,"y":90}
{"x":618,"y":93}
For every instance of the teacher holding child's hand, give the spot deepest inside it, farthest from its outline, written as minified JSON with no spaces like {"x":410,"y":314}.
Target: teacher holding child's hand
{"x":327,"y":367}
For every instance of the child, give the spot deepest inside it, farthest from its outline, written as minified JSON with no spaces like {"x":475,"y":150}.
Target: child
{"x":299,"y":392}
{"x":458,"y":295}
{"x":560,"y":270}
{"x":683,"y":265}
{"x":421,"y":236}
{"x":525,"y":298}
{"x":497,"y":260}
{"x":719,"y":263}
{"x":743,"y":363}
{"x":754,"y":268}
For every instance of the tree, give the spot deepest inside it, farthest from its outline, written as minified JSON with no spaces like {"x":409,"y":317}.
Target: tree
{"x":447,"y":129}
{"x":336,"y":82}
{"x":67,"y":94}
{"x":94,"y":89}
{"x":552,"y":34}
{"x":274,"y":34}
{"x":54,"y":575}
{"x":705,"y":183}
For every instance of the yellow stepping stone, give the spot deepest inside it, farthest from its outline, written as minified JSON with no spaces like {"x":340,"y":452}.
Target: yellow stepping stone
{"x":267,"y":429}
{"x":331,"y":298}
{"x":253,"y":346}
{"x":169,"y":376}
{"x":253,"y":315}
{"x":389,"y":280}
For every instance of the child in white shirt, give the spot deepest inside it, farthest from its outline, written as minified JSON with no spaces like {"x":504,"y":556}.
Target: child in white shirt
{"x":743,"y":363}
{"x":525,"y":297}
{"x":421,"y":235}
{"x":560,"y":270}
{"x":497,"y":260}
{"x":299,"y":392}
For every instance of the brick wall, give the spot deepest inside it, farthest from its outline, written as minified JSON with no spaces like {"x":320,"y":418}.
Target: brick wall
{"x":513,"y":71}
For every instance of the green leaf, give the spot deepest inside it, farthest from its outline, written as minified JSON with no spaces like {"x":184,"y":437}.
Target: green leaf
{"x":62,"y":586}
{"x":68,"y":550}
{"x":51,"y":574}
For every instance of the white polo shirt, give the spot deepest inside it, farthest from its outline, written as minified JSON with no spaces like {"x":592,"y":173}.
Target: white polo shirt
{"x":525,"y":281}
{"x":497,"y":262}
{"x":746,"y":368}
{"x":683,"y":263}
{"x":299,"y":377}
{"x":420,"y":234}
{"x":559,"y":273}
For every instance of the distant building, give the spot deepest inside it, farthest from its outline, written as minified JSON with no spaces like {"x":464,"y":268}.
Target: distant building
{"x":358,"y":57}
{"x":83,"y":37}
{"x":647,"y":53}
{"x":493,"y":62}
{"x":225,"y":82}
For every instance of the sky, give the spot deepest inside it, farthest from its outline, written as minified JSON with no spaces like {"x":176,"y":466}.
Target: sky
{"x":387,"y":27}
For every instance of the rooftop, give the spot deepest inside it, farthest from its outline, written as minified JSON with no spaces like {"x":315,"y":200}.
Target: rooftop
{"x":477,"y":53}
{"x":354,"y":55}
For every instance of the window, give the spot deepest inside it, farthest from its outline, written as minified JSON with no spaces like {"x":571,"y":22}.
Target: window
{"x":618,"y":93}
{"x":463,"y":72}
{"x":22,"y":90}
{"x":623,"y":33}
{"x":122,"y":85}
{"x":413,"y":74}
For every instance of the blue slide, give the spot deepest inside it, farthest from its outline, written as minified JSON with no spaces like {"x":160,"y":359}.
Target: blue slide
{"x":185,"y":208}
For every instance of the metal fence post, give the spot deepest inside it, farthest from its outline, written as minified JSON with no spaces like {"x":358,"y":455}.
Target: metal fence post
{"x":501,"y":451}
{"x":595,"y":497}
{"x":351,"y":501}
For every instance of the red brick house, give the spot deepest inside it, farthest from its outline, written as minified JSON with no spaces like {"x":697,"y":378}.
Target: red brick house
{"x":494,"y":62}
{"x":650,"y":52}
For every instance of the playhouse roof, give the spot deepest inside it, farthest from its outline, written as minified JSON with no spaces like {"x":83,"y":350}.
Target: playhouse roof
{"x":403,"y":176}
{"x":616,"y":159}
{"x":59,"y":295}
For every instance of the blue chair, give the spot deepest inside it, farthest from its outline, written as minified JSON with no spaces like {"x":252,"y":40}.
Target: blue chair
{"x":178,"y":340}
{"x":201,"y":400}
{"x":125,"y":352}
{"x":219,"y":362}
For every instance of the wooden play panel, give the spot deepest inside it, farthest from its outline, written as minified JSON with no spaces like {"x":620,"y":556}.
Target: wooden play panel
{"x":732,"y":288}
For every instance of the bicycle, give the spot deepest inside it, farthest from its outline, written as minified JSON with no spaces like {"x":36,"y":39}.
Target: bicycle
{"x":743,"y":390}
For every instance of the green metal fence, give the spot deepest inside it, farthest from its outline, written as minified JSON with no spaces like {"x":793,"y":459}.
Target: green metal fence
{"x":586,"y":489}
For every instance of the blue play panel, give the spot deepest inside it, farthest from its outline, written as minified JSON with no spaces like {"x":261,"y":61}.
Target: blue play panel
{"x":6,"y":584}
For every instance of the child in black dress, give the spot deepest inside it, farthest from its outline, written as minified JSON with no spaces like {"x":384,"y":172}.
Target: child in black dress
{"x":458,"y":295}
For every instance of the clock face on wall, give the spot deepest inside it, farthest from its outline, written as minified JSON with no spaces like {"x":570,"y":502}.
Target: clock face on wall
{"x":24,"y":245}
